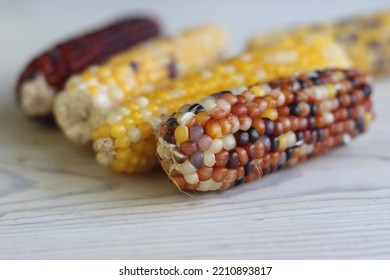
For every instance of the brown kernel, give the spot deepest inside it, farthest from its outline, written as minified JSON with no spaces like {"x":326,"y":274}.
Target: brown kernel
{"x":253,"y":110}
{"x":230,"y":97}
{"x":221,"y":158}
{"x":240,"y":172}
{"x":226,"y":127}
{"x":231,"y":176}
{"x":205,"y":173}
{"x":259,"y":125}
{"x":274,"y":158}
{"x":219,"y":174}
{"x":242,"y":156}
{"x":213,"y":129}
{"x":260,"y":149}
{"x":278,"y":128}
{"x":250,"y":149}
{"x":188,"y":147}
{"x":239,"y":109}
{"x":218,"y":113}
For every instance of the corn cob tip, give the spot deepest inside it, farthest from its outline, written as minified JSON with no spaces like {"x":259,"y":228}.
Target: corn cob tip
{"x":36,"y":96}
{"x":75,"y":114}
{"x":236,"y":136}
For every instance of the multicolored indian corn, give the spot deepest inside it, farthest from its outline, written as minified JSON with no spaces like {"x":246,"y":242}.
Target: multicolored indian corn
{"x":86,"y":99}
{"x":126,"y":141}
{"x":236,"y":136}
{"x":46,"y":74}
{"x":366,"y":39}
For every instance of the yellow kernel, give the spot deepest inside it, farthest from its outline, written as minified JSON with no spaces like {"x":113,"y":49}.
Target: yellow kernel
{"x":93,"y":89}
{"x":123,"y":154}
{"x":118,"y":130}
{"x":146,"y":131}
{"x":102,"y":132}
{"x":201,"y":117}
{"x":122,"y":142}
{"x":258,"y":91}
{"x":271,"y":114}
{"x":282,"y":143}
{"x":128,"y":122}
{"x":331,"y":90}
{"x":181,"y":134}
{"x":367,"y":117}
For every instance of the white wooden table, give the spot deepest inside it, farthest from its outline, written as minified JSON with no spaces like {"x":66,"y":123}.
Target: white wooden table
{"x":57,"y":202}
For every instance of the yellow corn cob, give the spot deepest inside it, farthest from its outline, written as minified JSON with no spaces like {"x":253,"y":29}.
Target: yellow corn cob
{"x":126,"y":141}
{"x":365,"y":38}
{"x":88,"y":97}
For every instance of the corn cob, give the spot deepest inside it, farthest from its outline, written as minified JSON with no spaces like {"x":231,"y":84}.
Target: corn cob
{"x":126,"y":142}
{"x":365,"y":38}
{"x":233,"y":137}
{"x":45,"y":75}
{"x":88,"y":97}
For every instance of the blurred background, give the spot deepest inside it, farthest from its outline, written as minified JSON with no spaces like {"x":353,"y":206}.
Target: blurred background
{"x":28,"y":27}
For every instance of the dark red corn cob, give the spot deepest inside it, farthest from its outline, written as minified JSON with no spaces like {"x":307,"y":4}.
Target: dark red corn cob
{"x":55,"y":66}
{"x":237,"y":136}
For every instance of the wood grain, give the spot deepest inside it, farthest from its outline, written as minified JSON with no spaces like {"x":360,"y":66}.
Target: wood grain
{"x":56,"y":202}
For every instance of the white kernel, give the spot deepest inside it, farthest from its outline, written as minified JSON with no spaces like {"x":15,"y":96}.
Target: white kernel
{"x":225,"y":105}
{"x":103,"y":159}
{"x":209,"y":185}
{"x":134,"y":134}
{"x":113,"y":118}
{"x":328,"y":118}
{"x":145,"y":113}
{"x":209,"y":159}
{"x":291,"y":139}
{"x":192,"y":178}
{"x":186,"y":168}
{"x":183,"y":118}
{"x":216,"y":146}
{"x":229,"y":142}
{"x":208,"y":104}
{"x":141,"y":101}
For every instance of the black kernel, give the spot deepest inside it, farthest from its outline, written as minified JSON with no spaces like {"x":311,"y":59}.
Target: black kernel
{"x":172,"y":124}
{"x":320,"y":134}
{"x":242,"y":137}
{"x":302,"y":84}
{"x":233,"y":160}
{"x":196,"y":108}
{"x":274,"y":144}
{"x":253,"y":134}
{"x":268,"y":127}
{"x":289,"y":153}
{"x":313,"y":109}
{"x":294,"y":110}
{"x":299,"y":134}
{"x":311,"y":122}
{"x":249,"y":167}
{"x":169,"y":138}
{"x":359,"y":124}
{"x":316,"y":80}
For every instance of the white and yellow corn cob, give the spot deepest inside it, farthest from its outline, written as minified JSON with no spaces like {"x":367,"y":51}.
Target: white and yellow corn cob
{"x":366,"y":39}
{"x":126,"y":141}
{"x":87,"y":98}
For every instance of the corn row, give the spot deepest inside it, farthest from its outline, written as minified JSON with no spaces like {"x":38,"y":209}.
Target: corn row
{"x":365,"y":38}
{"x":126,"y":141}
{"x":233,"y":137}
{"x":87,"y":98}
{"x":46,"y":74}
